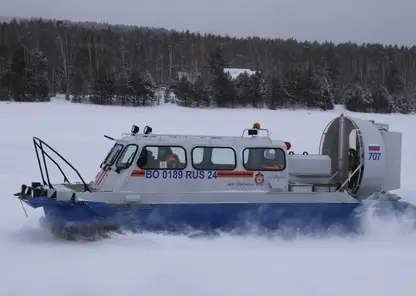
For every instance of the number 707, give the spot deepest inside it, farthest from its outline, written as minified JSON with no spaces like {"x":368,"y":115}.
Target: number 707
{"x":374,"y":155}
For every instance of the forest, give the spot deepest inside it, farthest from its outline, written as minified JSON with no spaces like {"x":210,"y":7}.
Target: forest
{"x":126,"y":65}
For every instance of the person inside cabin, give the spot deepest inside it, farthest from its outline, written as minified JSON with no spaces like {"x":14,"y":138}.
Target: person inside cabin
{"x":146,"y":159}
{"x":267,"y":159}
{"x":353,"y":163}
{"x":273,"y":160}
{"x":167,"y":159}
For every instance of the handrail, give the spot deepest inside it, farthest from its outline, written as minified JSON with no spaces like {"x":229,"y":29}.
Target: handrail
{"x":349,"y":178}
{"x":38,"y":144}
{"x":57,"y":165}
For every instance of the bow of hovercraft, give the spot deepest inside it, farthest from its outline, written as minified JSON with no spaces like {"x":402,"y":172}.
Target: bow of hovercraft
{"x":72,"y":209}
{"x":66,"y":216}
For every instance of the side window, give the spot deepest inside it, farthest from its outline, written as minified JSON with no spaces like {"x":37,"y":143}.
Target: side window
{"x":127,"y":156}
{"x":213,"y":158}
{"x":264,"y":159}
{"x":112,"y":155}
{"x":197,"y":156}
{"x":162,"y":158}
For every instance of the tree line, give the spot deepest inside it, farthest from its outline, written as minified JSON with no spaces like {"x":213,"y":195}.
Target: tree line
{"x":127,"y":65}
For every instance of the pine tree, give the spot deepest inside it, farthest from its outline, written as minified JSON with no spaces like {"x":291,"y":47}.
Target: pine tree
{"x":16,"y":78}
{"x":221,"y":89}
{"x":148,"y":88}
{"x":201,"y":94}
{"x":276,"y":94}
{"x":124,"y":86}
{"x":257,"y":92}
{"x":142,"y":88}
{"x":38,"y":83}
{"x":293,"y":88}
{"x":381,"y":101}
{"x":394,"y":82}
{"x":104,"y":88}
{"x":184,"y":91}
{"x":357,"y":100}
{"x":243,"y":89}
{"x":77,"y":83}
{"x":310,"y":93}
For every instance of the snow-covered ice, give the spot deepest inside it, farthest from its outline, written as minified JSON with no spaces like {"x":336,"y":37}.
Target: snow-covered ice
{"x":32,"y":262}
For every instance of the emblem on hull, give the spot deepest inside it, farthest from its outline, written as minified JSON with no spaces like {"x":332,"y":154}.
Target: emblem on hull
{"x":259,"y":179}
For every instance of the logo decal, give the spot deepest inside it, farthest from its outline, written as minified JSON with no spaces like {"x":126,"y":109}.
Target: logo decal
{"x":259,"y":178}
{"x":374,"y":148}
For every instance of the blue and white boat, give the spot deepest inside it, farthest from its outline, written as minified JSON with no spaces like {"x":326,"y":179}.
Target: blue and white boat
{"x":181,"y":183}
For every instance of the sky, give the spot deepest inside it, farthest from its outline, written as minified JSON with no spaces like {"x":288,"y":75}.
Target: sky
{"x":362,"y":21}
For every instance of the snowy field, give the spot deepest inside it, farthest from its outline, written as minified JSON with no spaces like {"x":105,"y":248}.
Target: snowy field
{"x":383,"y":262}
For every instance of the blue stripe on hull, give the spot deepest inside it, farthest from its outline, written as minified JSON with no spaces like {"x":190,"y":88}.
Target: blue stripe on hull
{"x":304,"y":217}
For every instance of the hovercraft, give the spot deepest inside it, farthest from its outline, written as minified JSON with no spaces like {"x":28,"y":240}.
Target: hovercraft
{"x":180,"y":183}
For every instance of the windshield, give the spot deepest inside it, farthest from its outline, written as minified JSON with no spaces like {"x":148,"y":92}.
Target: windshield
{"x":112,"y":155}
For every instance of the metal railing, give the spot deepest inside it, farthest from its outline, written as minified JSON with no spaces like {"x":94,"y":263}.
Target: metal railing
{"x":43,"y":167}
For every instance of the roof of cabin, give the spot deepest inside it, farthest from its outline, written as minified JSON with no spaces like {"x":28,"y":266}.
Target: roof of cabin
{"x":201,"y":139}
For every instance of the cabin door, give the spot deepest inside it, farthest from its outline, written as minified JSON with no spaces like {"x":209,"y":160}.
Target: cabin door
{"x":117,"y":174}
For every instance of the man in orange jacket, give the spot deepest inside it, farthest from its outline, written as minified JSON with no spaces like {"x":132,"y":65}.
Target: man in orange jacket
{"x":167,"y":158}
